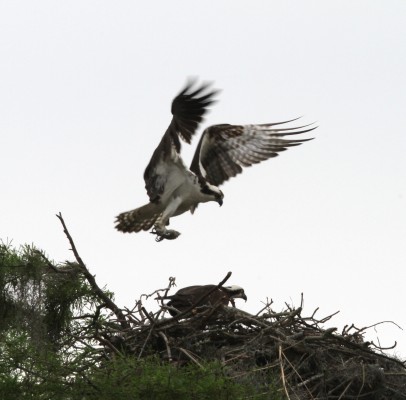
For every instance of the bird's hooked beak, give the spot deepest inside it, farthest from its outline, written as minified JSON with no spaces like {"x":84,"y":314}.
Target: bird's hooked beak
{"x":220,"y":198}
{"x":241,"y":296}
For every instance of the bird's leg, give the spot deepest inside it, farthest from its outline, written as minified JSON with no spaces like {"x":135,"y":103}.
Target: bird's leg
{"x":162,"y":234}
{"x":160,"y":225}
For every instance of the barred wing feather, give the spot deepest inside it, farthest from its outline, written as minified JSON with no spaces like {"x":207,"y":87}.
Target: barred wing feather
{"x":225,"y":149}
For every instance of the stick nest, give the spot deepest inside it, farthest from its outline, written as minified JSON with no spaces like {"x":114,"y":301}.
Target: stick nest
{"x":310,"y":361}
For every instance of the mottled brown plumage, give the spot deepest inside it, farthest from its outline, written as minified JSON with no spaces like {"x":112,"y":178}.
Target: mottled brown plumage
{"x":204,"y":296}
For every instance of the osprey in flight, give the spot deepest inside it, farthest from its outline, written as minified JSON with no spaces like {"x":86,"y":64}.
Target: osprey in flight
{"x":223,"y":150}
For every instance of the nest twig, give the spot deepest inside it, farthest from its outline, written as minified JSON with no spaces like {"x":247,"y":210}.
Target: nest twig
{"x":310,"y":361}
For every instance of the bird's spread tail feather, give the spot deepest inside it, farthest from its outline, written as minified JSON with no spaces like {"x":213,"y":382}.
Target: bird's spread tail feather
{"x":142,"y":218}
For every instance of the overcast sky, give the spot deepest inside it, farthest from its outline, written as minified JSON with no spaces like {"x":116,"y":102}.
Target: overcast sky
{"x":85,"y":93}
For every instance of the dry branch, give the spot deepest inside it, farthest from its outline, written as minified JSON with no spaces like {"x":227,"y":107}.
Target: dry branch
{"x":91,"y":279}
{"x":311,"y":362}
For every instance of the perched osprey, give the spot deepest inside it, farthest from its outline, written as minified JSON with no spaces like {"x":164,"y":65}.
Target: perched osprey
{"x":221,"y":153}
{"x":209,"y":295}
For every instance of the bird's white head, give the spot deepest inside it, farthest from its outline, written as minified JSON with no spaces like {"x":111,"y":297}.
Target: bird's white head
{"x":214,"y":192}
{"x":236,"y":292}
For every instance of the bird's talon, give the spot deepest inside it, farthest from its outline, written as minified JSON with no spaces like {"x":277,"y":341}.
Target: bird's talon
{"x":169,"y":234}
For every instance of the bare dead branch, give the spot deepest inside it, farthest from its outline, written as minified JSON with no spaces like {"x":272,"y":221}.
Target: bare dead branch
{"x":91,"y":279}
{"x":189,"y":355}
{"x":310,"y":360}
{"x":283,"y":373}
{"x":168,"y":349}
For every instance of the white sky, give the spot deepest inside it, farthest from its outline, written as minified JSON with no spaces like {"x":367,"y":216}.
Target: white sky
{"x":85,"y":92}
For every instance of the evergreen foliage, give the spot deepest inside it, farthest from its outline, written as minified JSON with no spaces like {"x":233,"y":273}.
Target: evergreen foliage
{"x":63,"y":337}
{"x":50,"y":319}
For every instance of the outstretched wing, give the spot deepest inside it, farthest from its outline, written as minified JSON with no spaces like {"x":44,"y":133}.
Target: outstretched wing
{"x":224,"y":150}
{"x":188,"y":109}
